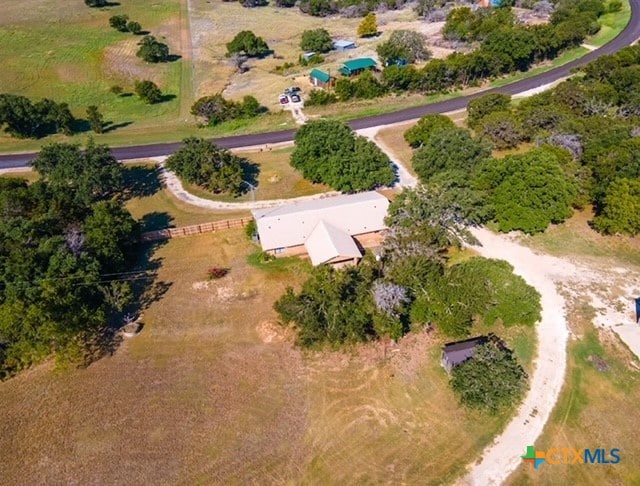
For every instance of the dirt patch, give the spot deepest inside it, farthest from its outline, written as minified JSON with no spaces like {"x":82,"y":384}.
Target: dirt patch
{"x":271,"y":331}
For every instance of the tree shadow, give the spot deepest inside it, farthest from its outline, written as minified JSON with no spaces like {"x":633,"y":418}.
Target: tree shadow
{"x":141,"y":181}
{"x":125,"y":95}
{"x":146,"y":290}
{"x":80,"y":125}
{"x":167,"y":97}
{"x":110,"y":126}
{"x":173,"y":58}
{"x":156,"y":220}
{"x":250,"y":171}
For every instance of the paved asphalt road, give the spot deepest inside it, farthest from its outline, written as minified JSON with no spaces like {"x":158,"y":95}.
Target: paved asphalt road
{"x":626,"y":37}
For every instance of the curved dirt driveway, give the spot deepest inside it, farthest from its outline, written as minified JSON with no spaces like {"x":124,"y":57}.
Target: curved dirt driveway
{"x":501,"y":458}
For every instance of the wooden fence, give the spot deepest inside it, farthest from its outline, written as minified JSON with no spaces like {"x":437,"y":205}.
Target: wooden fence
{"x":195,"y":229}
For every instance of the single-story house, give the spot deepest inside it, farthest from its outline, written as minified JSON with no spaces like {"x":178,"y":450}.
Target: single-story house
{"x":343,"y":45}
{"x":320,"y":79}
{"x":331,"y":230}
{"x":454,"y":354}
{"x":356,"y":66}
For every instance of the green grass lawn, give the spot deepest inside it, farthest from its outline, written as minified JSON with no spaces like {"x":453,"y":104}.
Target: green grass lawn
{"x":77,"y":59}
{"x":276,"y":179}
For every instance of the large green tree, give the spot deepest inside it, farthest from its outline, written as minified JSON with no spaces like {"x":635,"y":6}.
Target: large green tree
{"x":491,"y":380}
{"x":152,"y":50}
{"x":248,"y":44}
{"x":328,"y":151}
{"x":79,"y":176}
{"x":334,"y":306}
{"x":403,"y":45}
{"x":316,"y":40}
{"x":420,"y":133}
{"x":528,"y":191}
{"x":203,"y":163}
{"x":485,"y":105}
{"x":63,"y":239}
{"x":620,"y":211}
{"x":451,"y":150}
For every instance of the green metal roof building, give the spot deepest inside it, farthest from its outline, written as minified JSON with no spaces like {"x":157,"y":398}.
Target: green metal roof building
{"x":356,"y":66}
{"x":320,"y":75}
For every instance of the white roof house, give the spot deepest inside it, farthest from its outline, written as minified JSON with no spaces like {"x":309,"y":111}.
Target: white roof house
{"x":327,"y":242}
{"x":324,"y":226}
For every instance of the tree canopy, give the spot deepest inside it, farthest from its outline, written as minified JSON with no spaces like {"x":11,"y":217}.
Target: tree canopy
{"x":621,"y":208}
{"x":420,"y":133}
{"x":369,"y":26}
{"x":403,"y":45}
{"x":152,"y":50}
{"x":61,"y":238}
{"x":529,"y":191}
{"x":148,"y":91}
{"x":216,"y":109}
{"x":491,"y":380}
{"x":203,"y":163}
{"x":451,"y":150}
{"x":23,"y":118}
{"x":248,"y":44}
{"x":328,"y":151}
{"x":316,"y":40}
{"x":79,"y":176}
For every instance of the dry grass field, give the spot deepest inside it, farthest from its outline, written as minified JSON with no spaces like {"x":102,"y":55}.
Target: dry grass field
{"x":213,"y":391}
{"x":214,"y":24}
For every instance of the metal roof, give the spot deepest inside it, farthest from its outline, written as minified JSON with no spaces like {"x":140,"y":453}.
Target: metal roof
{"x":459,"y":352}
{"x":292,"y":224}
{"x":321,"y":75}
{"x":360,"y":63}
{"x":327,"y":242}
{"x":341,"y":43}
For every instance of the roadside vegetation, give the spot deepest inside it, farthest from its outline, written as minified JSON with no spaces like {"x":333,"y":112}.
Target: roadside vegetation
{"x":329,"y":152}
{"x":584,"y":151}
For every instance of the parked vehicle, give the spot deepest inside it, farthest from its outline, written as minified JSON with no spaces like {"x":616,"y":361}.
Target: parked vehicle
{"x":284,"y":99}
{"x":295,"y":98}
{"x":294,"y":89}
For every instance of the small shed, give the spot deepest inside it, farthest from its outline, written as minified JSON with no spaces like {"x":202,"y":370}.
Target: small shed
{"x":454,"y":354}
{"x":320,"y":79}
{"x":357,"y":66}
{"x":343,"y":45}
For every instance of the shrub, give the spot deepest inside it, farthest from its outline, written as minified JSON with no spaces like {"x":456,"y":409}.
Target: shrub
{"x":134,"y":27}
{"x":215,"y":273}
{"x":119,"y":22}
{"x":151,"y":50}
{"x":148,"y":91}
{"x":319,"y":97}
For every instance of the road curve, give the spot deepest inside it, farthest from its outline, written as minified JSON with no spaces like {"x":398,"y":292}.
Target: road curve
{"x":629,"y":35}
